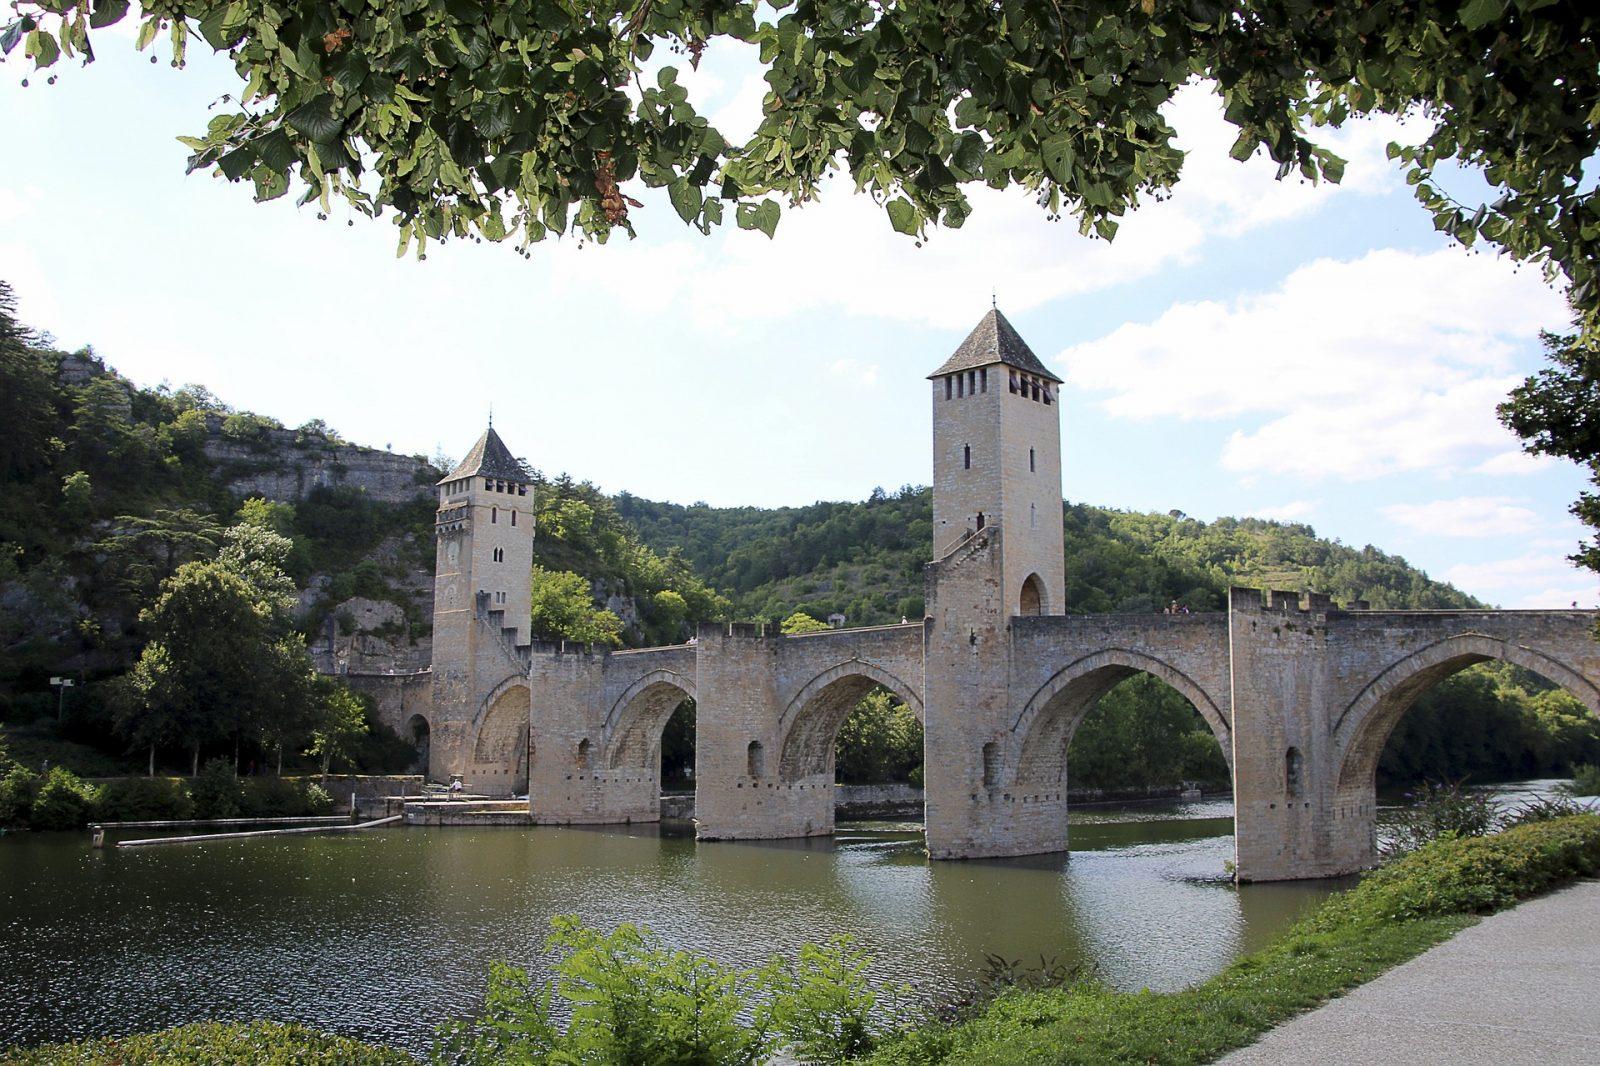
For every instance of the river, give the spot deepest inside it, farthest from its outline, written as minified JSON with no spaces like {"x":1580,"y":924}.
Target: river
{"x":384,"y":934}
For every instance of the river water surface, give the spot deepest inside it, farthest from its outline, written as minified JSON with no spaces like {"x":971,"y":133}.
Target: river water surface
{"x":384,"y":934}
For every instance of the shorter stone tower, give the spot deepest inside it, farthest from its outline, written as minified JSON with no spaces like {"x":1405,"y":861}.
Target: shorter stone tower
{"x":482,"y":593}
{"x":997,"y":461}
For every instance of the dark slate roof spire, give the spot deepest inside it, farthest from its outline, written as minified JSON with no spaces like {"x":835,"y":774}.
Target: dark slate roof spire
{"x":490,"y":458}
{"x":994,"y":340}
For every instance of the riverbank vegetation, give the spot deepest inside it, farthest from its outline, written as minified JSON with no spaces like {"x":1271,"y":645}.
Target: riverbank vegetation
{"x":1394,"y":914}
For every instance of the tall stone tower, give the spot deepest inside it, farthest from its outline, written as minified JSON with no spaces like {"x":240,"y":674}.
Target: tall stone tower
{"x":997,"y":461}
{"x":482,"y":590}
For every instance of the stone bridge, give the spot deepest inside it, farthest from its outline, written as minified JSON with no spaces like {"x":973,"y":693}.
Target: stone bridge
{"x":1301,"y":695}
{"x":768,"y":708}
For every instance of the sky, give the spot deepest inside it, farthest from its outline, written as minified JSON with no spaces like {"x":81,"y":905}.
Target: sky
{"x":1247,"y":347}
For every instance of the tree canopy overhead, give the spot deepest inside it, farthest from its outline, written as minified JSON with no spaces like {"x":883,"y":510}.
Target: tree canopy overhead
{"x":515,"y":120}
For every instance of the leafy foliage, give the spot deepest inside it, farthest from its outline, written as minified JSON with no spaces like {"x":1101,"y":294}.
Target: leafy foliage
{"x":257,"y":1043}
{"x":1143,"y":733}
{"x":1586,"y":780}
{"x":800,"y":622}
{"x":1555,"y":413}
{"x":518,"y":120}
{"x":881,"y":741}
{"x":1437,"y":812}
{"x":216,"y":792}
{"x":563,"y":609}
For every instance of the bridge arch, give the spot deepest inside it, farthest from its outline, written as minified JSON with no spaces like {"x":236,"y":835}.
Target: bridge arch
{"x":1364,"y":725}
{"x":1044,"y":727}
{"x":634,"y":722}
{"x":811,"y":720}
{"x":499,"y":745}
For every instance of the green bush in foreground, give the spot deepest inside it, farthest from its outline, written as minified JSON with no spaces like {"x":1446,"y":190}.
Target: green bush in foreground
{"x":1394,"y":914}
{"x":215,"y":1044}
{"x":632,"y":1001}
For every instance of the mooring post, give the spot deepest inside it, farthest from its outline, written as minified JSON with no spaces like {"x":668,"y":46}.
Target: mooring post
{"x":98,"y":837}
{"x":352,"y":804}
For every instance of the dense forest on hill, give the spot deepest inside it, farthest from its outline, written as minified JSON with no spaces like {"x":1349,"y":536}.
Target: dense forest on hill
{"x":865,"y":559}
{"x":109,"y":490}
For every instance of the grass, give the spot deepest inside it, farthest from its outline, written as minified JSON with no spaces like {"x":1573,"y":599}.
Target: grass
{"x":1394,"y":915}
{"x":215,"y":1044}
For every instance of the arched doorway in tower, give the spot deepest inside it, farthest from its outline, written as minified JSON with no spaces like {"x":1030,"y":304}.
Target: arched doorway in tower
{"x":651,"y":746}
{"x":1470,"y":710}
{"x":420,"y":734}
{"x":1032,"y":600}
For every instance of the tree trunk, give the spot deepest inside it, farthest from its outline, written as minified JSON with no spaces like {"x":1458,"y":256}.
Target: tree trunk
{"x":280,"y":758}
{"x":236,"y":755}
{"x":152,"y":760}
{"x":196,"y":759}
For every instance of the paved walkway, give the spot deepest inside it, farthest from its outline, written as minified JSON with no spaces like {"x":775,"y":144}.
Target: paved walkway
{"x":1521,"y":986}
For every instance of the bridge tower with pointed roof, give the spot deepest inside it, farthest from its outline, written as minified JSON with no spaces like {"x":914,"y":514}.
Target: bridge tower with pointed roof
{"x":997,"y":461}
{"x":482,"y":605}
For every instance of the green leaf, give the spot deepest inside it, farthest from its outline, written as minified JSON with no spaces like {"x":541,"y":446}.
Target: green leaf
{"x":686,"y":199}
{"x":147,"y":32}
{"x":315,"y":119}
{"x":902,"y":216}
{"x":107,"y":12}
{"x":1479,"y":13}
{"x":667,"y":76}
{"x":1245,"y":146}
{"x":767,"y":214}
{"x":1059,"y":155}
{"x":493,"y":117}
{"x":43,"y":48}
{"x":275,"y":150}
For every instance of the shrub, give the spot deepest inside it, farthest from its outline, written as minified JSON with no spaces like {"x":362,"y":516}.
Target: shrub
{"x":1436,"y":812}
{"x":216,"y":1044}
{"x":280,"y":797}
{"x":1476,"y":875}
{"x":216,"y":791}
{"x":1542,"y":809}
{"x":64,"y":801}
{"x":17,"y":789}
{"x":317,"y":800}
{"x":1585,"y":781}
{"x":631,"y":1000}
{"x":822,"y":1003}
{"x":145,"y":799}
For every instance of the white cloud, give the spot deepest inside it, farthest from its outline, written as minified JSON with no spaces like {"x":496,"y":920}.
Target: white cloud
{"x":1292,"y":511}
{"x":840,"y":253}
{"x":1514,"y":463}
{"x":1557,"y":582}
{"x":1391,"y":362}
{"x":862,"y":375}
{"x":1465,"y":516}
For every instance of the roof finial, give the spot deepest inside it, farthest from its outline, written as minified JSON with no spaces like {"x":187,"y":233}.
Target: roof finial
{"x":491,"y":416}
{"x":994,"y":300}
